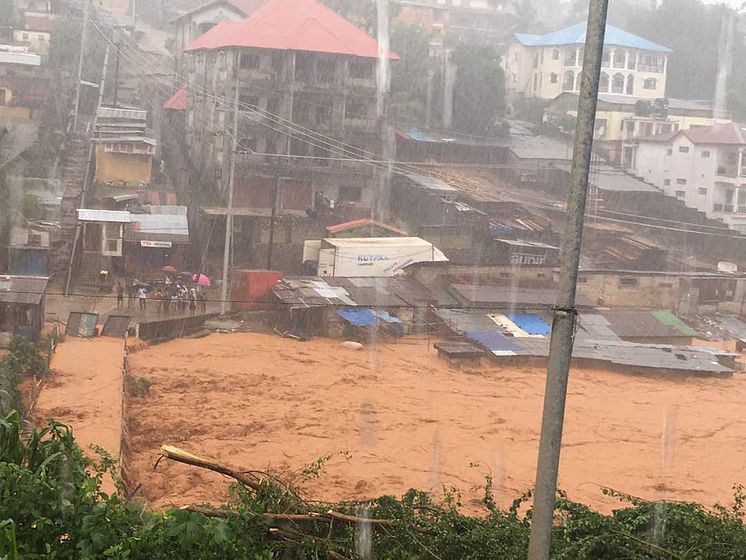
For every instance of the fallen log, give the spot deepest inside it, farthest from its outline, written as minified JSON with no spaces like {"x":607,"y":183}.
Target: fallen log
{"x":181,"y":456}
{"x":327,"y":517}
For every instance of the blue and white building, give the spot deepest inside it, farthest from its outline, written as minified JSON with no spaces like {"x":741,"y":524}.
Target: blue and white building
{"x":544,"y":66}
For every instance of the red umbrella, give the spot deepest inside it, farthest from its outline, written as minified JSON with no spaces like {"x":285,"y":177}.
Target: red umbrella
{"x":202,"y":280}
{"x":170,"y":269}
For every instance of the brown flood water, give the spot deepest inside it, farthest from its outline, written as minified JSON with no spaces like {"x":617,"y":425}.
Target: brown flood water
{"x":408,"y":419}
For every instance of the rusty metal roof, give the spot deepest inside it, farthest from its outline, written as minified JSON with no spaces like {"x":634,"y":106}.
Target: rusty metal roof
{"x":26,"y":290}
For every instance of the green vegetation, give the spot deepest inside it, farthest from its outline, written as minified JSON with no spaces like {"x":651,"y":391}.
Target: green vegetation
{"x":409,"y":75}
{"x":52,"y":507}
{"x":479,"y":90}
{"x":24,"y":360}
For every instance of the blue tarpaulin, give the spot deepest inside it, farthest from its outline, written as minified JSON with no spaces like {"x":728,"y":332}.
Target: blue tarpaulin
{"x":358,"y":317}
{"x":386,"y":317}
{"x":495,"y":342}
{"x":532,"y":324}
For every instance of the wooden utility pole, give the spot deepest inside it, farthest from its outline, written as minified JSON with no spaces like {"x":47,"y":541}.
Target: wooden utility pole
{"x":229,"y":210}
{"x":565,"y":312}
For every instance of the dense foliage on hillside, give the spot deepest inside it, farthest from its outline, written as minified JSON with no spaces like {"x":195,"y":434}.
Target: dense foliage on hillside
{"x":52,"y":507}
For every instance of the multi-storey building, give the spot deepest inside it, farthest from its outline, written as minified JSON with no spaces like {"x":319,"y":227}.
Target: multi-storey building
{"x":703,"y":166}
{"x":620,"y":119}
{"x":198,"y":21}
{"x":544,"y":66}
{"x":309,"y":119}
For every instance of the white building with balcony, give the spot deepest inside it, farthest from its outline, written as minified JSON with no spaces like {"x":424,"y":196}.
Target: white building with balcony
{"x":702,"y":166}
{"x":544,"y":66}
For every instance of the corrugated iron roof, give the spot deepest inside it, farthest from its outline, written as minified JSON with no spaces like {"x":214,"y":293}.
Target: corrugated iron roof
{"x":365,"y":222}
{"x":630,"y":323}
{"x":173,"y":227}
{"x":480,"y":295}
{"x":575,"y":35}
{"x":430,"y":183}
{"x":297,"y":25}
{"x":93,"y":215}
{"x":26,"y":290}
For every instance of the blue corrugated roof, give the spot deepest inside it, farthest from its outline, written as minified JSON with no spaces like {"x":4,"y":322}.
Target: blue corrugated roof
{"x":575,"y":35}
{"x":495,"y":342}
{"x":532,"y":324}
{"x":358,"y":317}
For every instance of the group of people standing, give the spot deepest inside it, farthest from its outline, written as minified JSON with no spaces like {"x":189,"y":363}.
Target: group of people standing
{"x":173,"y":298}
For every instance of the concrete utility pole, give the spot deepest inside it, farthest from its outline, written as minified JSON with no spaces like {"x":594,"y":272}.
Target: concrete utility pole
{"x":565,"y":314}
{"x":386,"y":135}
{"x":78,"y":84}
{"x":273,"y":216}
{"x":229,"y":211}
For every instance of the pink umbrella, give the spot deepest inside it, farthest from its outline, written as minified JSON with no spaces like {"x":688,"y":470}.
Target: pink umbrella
{"x":202,"y":280}
{"x":170,"y":269}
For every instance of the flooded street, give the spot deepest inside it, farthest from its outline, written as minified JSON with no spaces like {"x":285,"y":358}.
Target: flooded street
{"x":407,"y":419}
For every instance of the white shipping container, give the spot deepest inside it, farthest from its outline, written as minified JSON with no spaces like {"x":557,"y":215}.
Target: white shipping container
{"x":373,"y":256}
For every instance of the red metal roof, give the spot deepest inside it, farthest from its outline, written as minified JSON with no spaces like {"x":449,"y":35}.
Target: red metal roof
{"x":363,"y":222}
{"x":298,"y":25}
{"x":178,"y":101}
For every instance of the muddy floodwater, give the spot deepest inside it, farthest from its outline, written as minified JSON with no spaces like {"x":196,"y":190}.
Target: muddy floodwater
{"x":399,"y":417}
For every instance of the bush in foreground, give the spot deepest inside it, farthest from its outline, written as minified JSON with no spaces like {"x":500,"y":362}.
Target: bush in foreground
{"x":52,"y":507}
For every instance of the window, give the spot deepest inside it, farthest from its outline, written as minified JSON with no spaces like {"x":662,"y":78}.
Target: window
{"x":603,"y":84}
{"x":555,"y":54}
{"x":350,"y":194}
{"x":620,"y":58}
{"x":681,"y":181}
{"x":683,"y":149}
{"x":666,"y":182}
{"x":325,"y":71}
{"x":617,"y":83}
{"x":631,"y":127}
{"x":630,"y":85}
{"x":568,"y":82}
{"x":669,"y":152}
{"x":273,"y":105}
{"x":702,"y":191}
{"x":632,"y":61}
{"x":361,"y":69}
{"x":680,"y":194}
{"x":25,"y":36}
{"x":355,"y":110}
{"x":606,"y":59}
{"x":249,"y":61}
{"x":600,"y":130}
{"x":570,"y":57}
{"x":665,"y":285}
{"x":246,"y":145}
{"x":650,"y":83}
{"x":627,"y":282}
{"x":41,"y":37}
{"x":222,"y":62}
{"x":553,"y":77}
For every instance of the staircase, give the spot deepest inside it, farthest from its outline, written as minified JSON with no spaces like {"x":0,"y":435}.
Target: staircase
{"x":72,"y":177}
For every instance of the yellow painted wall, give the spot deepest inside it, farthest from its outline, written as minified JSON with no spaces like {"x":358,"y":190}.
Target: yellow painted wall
{"x":615,"y":119}
{"x":38,"y":41}
{"x":116,"y":166}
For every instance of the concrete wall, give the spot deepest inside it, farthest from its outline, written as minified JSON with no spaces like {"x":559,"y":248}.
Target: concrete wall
{"x":129,"y":168}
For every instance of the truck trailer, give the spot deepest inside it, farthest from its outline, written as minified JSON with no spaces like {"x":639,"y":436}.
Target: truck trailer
{"x":368,"y":256}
